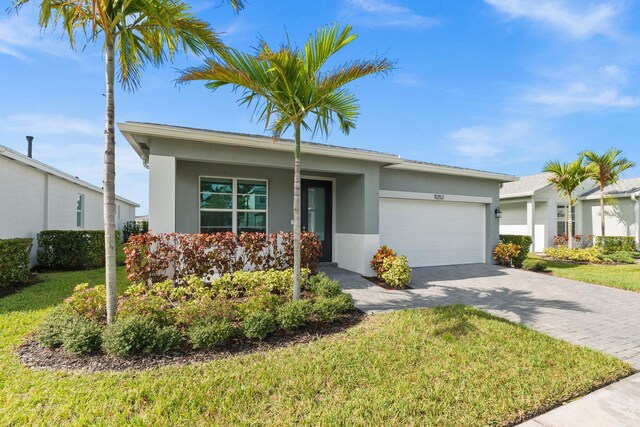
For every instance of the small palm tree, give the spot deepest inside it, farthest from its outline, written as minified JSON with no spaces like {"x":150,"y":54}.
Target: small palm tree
{"x":605,"y":170}
{"x":134,"y":33}
{"x":290,"y":89}
{"x":566,"y":178}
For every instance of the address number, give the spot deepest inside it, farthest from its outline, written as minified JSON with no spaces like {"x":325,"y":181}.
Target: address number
{"x":438,"y":196}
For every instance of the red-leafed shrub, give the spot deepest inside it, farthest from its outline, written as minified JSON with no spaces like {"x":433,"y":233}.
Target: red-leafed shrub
{"x":377,"y":263}
{"x":158,"y":257}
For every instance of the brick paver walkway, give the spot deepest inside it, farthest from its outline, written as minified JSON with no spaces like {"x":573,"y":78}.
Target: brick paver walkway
{"x":602,"y":318}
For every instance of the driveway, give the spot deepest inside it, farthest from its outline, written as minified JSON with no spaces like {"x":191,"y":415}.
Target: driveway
{"x":594,"y":316}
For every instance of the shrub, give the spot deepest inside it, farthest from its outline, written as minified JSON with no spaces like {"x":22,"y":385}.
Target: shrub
{"x":621,"y":257}
{"x":377,"y":263}
{"x":131,"y":335}
{"x":259,"y":303}
{"x":397,"y":272}
{"x":71,"y":249}
{"x":524,"y":242}
{"x":81,"y":336}
{"x":152,"y":307}
{"x":328,"y":309}
{"x":15,"y":260}
{"x":210,"y":333}
{"x":131,"y":228}
{"x":591,"y":255}
{"x":293,"y":315}
{"x":51,"y":331}
{"x":534,"y":264}
{"x":193,"y":311}
{"x":617,"y":244}
{"x":166,"y":340}
{"x":259,"y":325}
{"x":90,"y":303}
{"x":506,"y":253}
{"x":320,"y":285}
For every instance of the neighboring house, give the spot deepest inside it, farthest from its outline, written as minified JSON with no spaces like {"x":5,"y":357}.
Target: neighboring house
{"x":355,"y":200}
{"x":38,"y":197}
{"x":622,"y":213}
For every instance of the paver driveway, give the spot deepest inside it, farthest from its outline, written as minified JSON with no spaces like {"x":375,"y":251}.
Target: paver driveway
{"x":602,"y":318}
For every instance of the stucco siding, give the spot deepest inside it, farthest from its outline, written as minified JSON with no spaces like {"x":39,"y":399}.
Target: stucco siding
{"x":620,"y":219}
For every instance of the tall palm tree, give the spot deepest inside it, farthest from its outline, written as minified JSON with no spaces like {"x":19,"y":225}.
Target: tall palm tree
{"x":290,"y":89}
{"x":605,"y":169}
{"x":566,"y":178}
{"x":134,"y":33}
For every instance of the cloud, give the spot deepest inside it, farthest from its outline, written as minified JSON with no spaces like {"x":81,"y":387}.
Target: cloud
{"x":408,"y":79}
{"x":382,"y":13}
{"x":48,"y":124}
{"x":578,"y":22}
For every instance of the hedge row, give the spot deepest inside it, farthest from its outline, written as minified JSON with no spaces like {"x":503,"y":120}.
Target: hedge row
{"x":523,"y":241}
{"x":131,"y":228}
{"x":617,"y":244}
{"x":72,"y":249}
{"x":15,"y":260}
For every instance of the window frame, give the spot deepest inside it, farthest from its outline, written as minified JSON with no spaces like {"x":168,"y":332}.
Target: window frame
{"x":80,"y":197}
{"x":234,"y":206}
{"x":565,"y":219}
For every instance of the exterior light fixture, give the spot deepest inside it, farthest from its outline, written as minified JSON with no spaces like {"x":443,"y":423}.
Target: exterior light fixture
{"x":498,"y":213}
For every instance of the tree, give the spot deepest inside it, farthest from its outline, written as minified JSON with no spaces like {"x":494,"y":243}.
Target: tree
{"x":134,"y":33}
{"x":289,"y":88}
{"x":566,"y":178}
{"x":605,"y":170}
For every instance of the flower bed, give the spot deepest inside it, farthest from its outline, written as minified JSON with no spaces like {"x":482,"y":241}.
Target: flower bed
{"x":592,"y":255}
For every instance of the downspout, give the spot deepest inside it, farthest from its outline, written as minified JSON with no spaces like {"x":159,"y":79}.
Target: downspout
{"x":634,"y":197}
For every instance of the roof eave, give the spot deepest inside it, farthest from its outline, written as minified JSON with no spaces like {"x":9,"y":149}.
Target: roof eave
{"x":416,"y":167}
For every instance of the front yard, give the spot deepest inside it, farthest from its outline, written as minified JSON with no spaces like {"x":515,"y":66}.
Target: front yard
{"x":446,"y":366}
{"x":625,"y":277}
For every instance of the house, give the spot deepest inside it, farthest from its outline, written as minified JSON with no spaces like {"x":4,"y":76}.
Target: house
{"x":38,"y":197}
{"x":622,"y":212}
{"x":203,"y":181}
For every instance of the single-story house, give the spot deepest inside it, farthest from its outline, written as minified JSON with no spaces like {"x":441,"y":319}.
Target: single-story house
{"x":37,"y":197}
{"x":203,"y":181}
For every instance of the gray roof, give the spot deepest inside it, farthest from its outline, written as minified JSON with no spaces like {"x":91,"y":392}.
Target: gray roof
{"x":525,"y":186}
{"x":622,"y":188}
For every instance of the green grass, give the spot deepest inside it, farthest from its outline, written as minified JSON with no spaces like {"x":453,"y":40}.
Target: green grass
{"x":447,"y":366}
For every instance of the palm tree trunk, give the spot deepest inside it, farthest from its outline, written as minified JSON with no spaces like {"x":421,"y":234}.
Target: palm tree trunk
{"x":602,"y":216}
{"x":296,"y":216}
{"x":570,"y":227}
{"x":109,"y":186}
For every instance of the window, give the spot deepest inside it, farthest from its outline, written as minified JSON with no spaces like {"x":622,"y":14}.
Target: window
{"x":230,"y":204}
{"x":563,"y":212}
{"x":80,"y":211}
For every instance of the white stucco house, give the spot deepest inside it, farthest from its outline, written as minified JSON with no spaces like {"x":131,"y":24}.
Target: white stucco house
{"x":532,"y":207}
{"x":37,"y":197}
{"x":355,"y":200}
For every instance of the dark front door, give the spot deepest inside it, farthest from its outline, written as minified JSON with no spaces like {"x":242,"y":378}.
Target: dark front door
{"x":317,"y":212}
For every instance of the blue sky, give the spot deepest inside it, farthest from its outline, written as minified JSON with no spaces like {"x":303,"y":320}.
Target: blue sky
{"x":500,"y":85}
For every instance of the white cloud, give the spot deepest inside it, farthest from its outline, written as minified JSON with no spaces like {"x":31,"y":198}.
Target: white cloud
{"x":48,"y":124}
{"x":582,"y":21}
{"x":408,"y":79}
{"x":383,"y":13}
{"x":580,"y":96}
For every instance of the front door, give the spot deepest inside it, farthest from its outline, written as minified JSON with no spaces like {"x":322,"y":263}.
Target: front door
{"x":317,"y":212}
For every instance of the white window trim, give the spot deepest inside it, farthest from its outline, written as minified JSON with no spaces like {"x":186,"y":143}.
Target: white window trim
{"x":81,"y":210}
{"x":234,"y":208}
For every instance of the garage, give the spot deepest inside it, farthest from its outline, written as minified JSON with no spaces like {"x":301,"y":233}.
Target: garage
{"x":434,"y":232}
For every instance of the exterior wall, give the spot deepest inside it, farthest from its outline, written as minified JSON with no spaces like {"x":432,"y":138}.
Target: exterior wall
{"x":620,"y":219}
{"x":514,"y":218}
{"x":540,"y":210}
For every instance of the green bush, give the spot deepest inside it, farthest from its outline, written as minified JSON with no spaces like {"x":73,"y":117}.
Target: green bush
{"x":263,"y":302}
{"x":617,"y":244}
{"x":166,"y":340}
{"x":152,"y":307}
{"x":15,"y":260}
{"x":534,"y":264}
{"x":328,"y":309}
{"x":591,"y":255}
{"x":90,"y":303}
{"x":136,"y":334}
{"x":210,"y":333}
{"x":621,"y":257}
{"x":82,"y":336}
{"x":293,"y":315}
{"x":71,"y":249}
{"x":53,"y":327}
{"x":523,"y":241}
{"x":397,"y":272}
{"x":131,"y":228}
{"x":259,"y":325}
{"x":320,"y":285}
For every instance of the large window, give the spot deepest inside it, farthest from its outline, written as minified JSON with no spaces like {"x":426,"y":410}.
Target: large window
{"x":80,"y":211}
{"x":231,"y":204}
{"x":563,"y":214}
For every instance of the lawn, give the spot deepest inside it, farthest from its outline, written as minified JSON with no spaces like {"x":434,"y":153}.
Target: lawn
{"x":447,"y":366}
{"x":615,"y":276}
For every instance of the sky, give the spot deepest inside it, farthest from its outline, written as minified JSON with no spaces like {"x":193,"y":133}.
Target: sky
{"x":498,"y":85}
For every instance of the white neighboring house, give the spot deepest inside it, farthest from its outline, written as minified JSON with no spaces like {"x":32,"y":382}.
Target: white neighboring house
{"x":532,"y":207}
{"x":38,"y":197}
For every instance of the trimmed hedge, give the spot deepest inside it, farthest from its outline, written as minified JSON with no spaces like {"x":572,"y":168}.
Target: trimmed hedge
{"x":617,"y":244}
{"x":15,"y":260}
{"x":72,"y":249}
{"x":131,"y":228}
{"x":523,"y":241}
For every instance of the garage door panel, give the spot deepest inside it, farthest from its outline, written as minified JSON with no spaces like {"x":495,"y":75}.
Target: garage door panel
{"x":433,"y":232}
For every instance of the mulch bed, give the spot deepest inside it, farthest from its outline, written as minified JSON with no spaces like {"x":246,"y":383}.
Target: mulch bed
{"x":35,"y":356}
{"x":17,"y":287}
{"x":384,"y":285}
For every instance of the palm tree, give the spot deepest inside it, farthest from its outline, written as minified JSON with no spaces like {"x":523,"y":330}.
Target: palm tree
{"x":134,"y":33}
{"x":290,"y":89}
{"x":566,"y":178}
{"x":605,"y":170}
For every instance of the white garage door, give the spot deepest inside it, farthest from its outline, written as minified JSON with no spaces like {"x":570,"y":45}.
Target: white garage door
{"x":434,"y":232}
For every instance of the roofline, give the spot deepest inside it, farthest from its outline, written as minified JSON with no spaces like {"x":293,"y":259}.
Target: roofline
{"x":596,"y":195}
{"x":14,"y":155}
{"x":524,"y":193}
{"x":389,"y":161}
